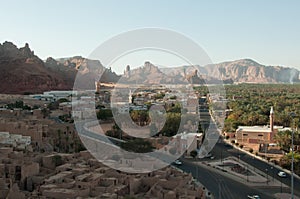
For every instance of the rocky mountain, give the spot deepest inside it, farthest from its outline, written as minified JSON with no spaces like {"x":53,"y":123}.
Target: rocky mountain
{"x":239,"y":71}
{"x":146,"y":74}
{"x":86,"y":70}
{"x":24,"y":72}
{"x":247,"y":70}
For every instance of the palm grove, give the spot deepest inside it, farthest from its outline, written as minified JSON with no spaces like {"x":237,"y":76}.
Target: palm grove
{"x":250,"y":104}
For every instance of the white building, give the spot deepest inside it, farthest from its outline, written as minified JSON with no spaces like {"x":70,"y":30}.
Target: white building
{"x":56,"y":95}
{"x":187,"y":142}
{"x":15,"y":140}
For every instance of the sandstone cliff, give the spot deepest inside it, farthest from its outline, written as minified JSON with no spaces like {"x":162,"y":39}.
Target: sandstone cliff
{"x":247,"y":70}
{"x":23,"y":72}
{"x":239,"y":71}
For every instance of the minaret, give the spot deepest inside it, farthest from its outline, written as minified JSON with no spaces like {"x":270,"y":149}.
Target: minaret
{"x":272,"y":119}
{"x":130,"y":97}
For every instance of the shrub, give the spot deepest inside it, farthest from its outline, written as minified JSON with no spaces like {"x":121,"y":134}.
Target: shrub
{"x":251,"y":150}
{"x":57,"y":160}
{"x":194,"y":153}
{"x":227,"y":137}
{"x":232,"y":141}
{"x":241,"y":146}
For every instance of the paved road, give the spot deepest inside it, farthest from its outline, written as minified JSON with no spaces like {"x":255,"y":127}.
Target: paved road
{"x":220,"y":186}
{"x":221,"y":151}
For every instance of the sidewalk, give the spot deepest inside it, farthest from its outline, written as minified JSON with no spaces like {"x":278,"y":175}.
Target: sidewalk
{"x":262,"y":159}
{"x":285,"y":196}
{"x":257,"y":178}
{"x":262,"y":179}
{"x":252,"y":176}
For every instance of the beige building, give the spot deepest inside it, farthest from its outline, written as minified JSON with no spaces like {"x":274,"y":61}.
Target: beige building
{"x":187,"y":142}
{"x":258,"y":134}
{"x":192,"y":105}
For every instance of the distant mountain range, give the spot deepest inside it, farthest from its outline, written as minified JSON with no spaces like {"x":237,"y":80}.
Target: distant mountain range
{"x":23,"y":72}
{"x":240,"y":71}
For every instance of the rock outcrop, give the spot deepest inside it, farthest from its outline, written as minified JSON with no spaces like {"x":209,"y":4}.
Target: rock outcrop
{"x":23,"y":72}
{"x":147,"y":74}
{"x":247,"y":70}
{"x":239,"y":71}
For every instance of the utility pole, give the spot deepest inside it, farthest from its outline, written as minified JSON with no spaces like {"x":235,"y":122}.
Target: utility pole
{"x":272,"y":172}
{"x":222,"y":157}
{"x":247,"y":173}
{"x":253,"y":166}
{"x":267,"y":176}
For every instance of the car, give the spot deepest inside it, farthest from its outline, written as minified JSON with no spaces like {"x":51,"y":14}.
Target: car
{"x":254,"y":196}
{"x":212,"y":157}
{"x":177,"y":162}
{"x":208,"y":155}
{"x":282,"y":174}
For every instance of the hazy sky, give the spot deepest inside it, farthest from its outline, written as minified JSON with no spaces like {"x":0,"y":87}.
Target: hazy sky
{"x":267,"y":31}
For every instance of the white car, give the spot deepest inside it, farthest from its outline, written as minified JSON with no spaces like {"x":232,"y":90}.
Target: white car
{"x":282,"y":174}
{"x":177,"y":162}
{"x":254,"y":197}
{"x":208,"y":155}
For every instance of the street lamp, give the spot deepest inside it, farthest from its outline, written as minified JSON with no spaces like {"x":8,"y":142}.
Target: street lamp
{"x":267,"y":176}
{"x":247,"y":174}
{"x":222,"y":158}
{"x":293,"y":115}
{"x":272,"y":172}
{"x":253,"y":165}
{"x":280,"y":185}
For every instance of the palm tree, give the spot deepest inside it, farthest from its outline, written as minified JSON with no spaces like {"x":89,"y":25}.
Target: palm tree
{"x":283,"y":138}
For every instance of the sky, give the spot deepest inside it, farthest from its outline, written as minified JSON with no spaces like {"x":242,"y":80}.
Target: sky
{"x":266,"y":31}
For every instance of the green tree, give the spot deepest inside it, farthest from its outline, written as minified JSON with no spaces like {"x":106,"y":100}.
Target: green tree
{"x":172,"y":124}
{"x":57,"y":160}
{"x":104,"y":114}
{"x":283,"y":139}
{"x":140,"y":117}
{"x":194,"y":153}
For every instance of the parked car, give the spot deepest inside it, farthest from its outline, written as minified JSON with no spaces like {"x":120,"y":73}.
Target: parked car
{"x":208,"y":155}
{"x":254,"y":196}
{"x":177,"y":162}
{"x":282,"y":174}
